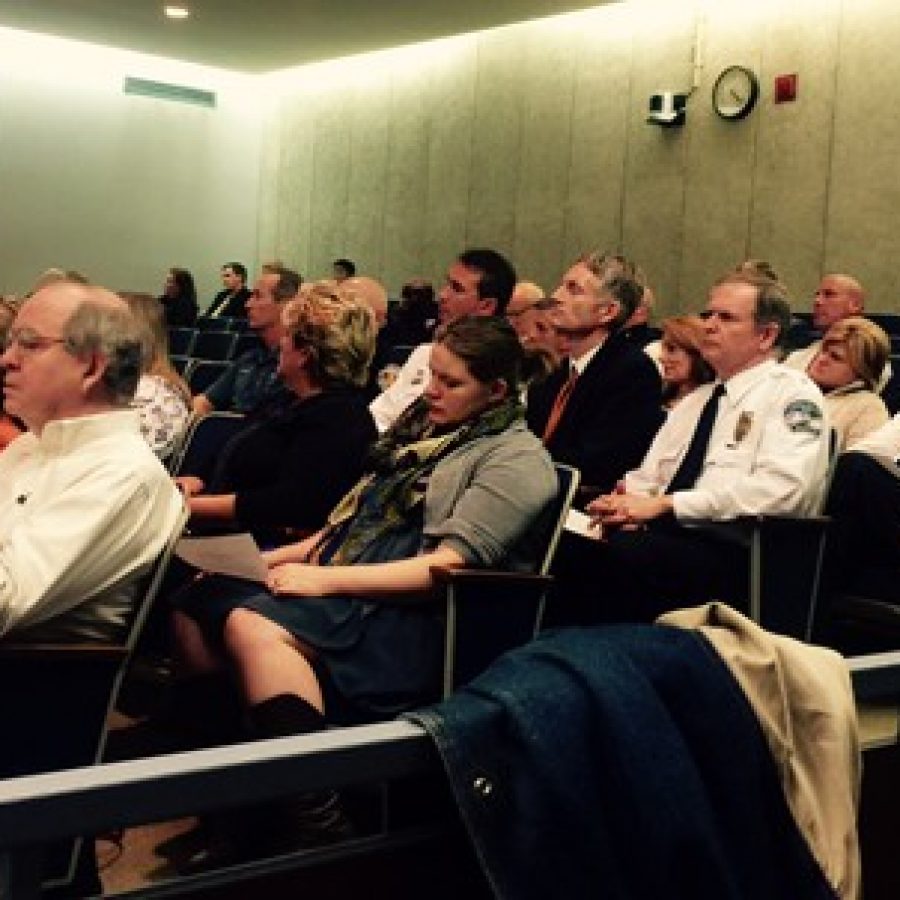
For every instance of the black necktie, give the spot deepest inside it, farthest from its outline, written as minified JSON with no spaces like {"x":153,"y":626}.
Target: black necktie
{"x":692,"y":464}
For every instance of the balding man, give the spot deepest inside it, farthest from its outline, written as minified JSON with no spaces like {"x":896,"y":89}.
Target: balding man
{"x":370,"y":292}
{"x":528,"y":312}
{"x":837,"y":297}
{"x":85,"y":506}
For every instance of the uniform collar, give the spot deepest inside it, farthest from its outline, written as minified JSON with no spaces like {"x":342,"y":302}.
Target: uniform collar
{"x":738,"y":385}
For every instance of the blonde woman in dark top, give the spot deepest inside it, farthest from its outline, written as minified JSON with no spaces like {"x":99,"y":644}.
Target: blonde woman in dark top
{"x":289,"y":467}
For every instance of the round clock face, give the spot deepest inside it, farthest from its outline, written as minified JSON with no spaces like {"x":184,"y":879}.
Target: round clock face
{"x":735,"y":92}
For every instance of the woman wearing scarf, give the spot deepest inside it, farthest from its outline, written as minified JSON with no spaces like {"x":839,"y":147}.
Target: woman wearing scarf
{"x":345,"y":632}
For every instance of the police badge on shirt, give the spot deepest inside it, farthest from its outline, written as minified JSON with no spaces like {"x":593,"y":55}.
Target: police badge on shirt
{"x":803,"y":416}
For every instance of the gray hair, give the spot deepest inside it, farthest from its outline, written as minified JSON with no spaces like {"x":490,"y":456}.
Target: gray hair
{"x":773,"y":305}
{"x":115,"y":335}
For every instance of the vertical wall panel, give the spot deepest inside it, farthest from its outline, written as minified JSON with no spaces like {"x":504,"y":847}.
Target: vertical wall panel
{"x":547,"y":71}
{"x":292,"y":198}
{"x":496,"y":141}
{"x":718,"y":185}
{"x":655,"y":168}
{"x":862,"y":233}
{"x":793,"y":152}
{"x":369,"y":125}
{"x":452,"y":105}
{"x":599,"y":134}
{"x":407,"y":178}
{"x":329,"y":115}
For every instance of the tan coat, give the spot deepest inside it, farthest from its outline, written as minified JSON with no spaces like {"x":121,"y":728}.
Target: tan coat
{"x":854,"y":412}
{"x":803,"y":699}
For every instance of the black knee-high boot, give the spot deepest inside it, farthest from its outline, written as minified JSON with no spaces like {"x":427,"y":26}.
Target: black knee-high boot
{"x":309,"y":819}
{"x":300,"y":821}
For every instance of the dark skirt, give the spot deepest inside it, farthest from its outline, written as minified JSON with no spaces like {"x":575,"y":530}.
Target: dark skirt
{"x":374,"y":660}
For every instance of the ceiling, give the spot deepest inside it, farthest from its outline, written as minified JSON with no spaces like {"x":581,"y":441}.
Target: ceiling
{"x":256,"y":36}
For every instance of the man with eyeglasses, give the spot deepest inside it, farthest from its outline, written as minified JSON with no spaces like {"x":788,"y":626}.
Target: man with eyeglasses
{"x":85,"y":506}
{"x":753,"y":442}
{"x":601,"y":407}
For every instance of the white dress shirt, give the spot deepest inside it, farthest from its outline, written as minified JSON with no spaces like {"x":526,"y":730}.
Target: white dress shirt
{"x":768,"y":451}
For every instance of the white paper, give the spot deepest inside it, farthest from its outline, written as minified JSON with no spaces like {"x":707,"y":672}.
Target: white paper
{"x":229,"y":554}
{"x":579,"y":523}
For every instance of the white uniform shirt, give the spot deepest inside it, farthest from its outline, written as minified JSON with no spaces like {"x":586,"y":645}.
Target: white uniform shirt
{"x":768,"y":452}
{"x":409,"y":385}
{"x":85,"y":509}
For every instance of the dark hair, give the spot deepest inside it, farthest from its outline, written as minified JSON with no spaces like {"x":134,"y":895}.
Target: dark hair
{"x":627,"y":293}
{"x":773,"y":306}
{"x":239,"y":269}
{"x":488,"y":345}
{"x":288,"y":285}
{"x":184,"y":281}
{"x":498,"y":277}
{"x":347,"y":265}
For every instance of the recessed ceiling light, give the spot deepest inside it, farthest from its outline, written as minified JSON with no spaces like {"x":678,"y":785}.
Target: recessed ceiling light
{"x":177,"y":12}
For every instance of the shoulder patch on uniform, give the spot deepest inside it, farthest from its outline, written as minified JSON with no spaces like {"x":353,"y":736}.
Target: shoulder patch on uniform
{"x":803,"y":416}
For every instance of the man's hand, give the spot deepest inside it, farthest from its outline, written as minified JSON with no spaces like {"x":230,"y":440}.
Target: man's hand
{"x":621,"y":510}
{"x":189,"y":485}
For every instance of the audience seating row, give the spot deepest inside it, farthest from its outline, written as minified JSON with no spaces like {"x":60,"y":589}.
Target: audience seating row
{"x":220,"y":323}
{"x":210,"y":344}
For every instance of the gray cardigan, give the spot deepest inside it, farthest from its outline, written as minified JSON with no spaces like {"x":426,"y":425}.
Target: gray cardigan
{"x":484,"y":499}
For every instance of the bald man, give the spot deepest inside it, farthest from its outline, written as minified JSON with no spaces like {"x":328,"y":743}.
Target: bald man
{"x":837,"y":297}
{"x":85,"y":506}
{"x":370,"y":292}
{"x":528,"y":312}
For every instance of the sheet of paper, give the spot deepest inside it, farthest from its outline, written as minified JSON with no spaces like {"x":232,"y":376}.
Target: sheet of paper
{"x":229,"y":554}
{"x":579,"y":523}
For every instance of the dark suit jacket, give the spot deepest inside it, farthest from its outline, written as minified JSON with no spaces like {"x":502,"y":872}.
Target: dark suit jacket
{"x":612,"y":416}
{"x":233,"y":307}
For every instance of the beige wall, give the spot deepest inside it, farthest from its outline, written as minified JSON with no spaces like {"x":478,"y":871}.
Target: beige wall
{"x":117,"y":186}
{"x":533,"y":140}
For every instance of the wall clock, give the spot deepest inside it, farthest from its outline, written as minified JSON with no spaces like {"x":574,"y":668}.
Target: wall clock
{"x":735,"y":92}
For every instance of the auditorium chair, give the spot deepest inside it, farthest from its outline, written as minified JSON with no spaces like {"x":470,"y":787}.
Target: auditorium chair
{"x":59,"y":697}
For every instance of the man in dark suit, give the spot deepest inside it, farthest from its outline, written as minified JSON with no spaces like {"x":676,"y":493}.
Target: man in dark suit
{"x":601,"y":408}
{"x":231,"y":301}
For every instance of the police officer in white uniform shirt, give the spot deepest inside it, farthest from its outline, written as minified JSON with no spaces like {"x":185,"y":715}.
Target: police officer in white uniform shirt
{"x":753,"y":442}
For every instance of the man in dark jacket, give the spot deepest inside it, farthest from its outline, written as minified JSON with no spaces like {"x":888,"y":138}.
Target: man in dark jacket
{"x":601,"y":408}
{"x":231,"y":301}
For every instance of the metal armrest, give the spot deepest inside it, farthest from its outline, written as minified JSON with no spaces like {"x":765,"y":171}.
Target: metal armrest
{"x":444,"y":576}
{"x":62,"y":652}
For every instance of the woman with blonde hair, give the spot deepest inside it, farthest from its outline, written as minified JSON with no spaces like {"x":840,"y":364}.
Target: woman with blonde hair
{"x":683,"y":367}
{"x":288,"y":468}
{"x":162,"y":399}
{"x":848,"y":369}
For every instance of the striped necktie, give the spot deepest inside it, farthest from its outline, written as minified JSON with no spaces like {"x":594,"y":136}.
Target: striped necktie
{"x":559,"y":405}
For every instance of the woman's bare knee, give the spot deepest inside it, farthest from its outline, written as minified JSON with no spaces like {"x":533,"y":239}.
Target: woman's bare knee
{"x":246,"y":631}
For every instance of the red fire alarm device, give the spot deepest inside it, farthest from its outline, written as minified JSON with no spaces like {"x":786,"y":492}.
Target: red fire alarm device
{"x":786,"y":88}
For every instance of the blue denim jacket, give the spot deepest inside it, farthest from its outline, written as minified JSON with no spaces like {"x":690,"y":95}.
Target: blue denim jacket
{"x":620,"y":762}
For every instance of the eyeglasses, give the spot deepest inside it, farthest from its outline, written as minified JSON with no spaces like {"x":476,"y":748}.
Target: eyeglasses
{"x":29,"y":341}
